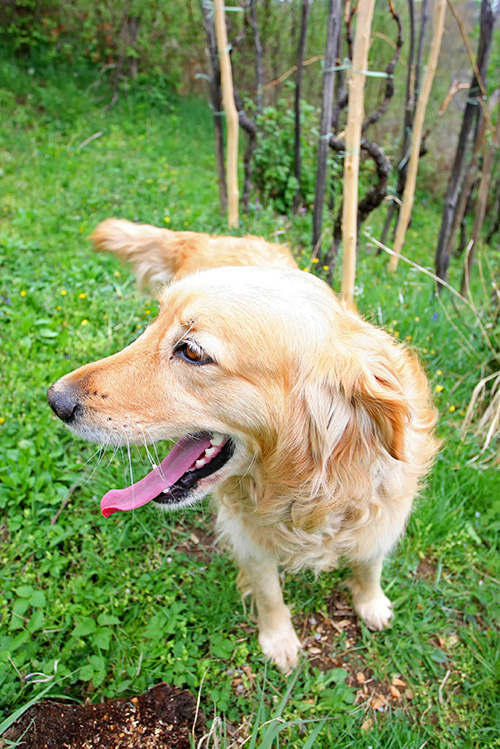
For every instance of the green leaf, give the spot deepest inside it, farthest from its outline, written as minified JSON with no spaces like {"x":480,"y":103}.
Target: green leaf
{"x":156,"y":627}
{"x":36,"y":622}
{"x":439,"y":656}
{"x":86,"y":627}
{"x":104,"y":619}
{"x":86,"y":672}
{"x":102,"y":638}
{"x":47,"y":333}
{"x":38,"y":598}
{"x":24,"y":591}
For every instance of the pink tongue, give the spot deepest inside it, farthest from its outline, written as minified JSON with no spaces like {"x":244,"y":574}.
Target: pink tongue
{"x":180,"y":458}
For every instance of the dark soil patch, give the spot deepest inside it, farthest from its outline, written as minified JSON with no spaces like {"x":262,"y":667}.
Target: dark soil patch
{"x":201,"y":544}
{"x":162,"y":717}
{"x":427,"y":569}
{"x":327,"y":639}
{"x":332,"y":641}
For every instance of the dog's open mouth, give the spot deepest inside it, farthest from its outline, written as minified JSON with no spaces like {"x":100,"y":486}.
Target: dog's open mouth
{"x":191,"y":459}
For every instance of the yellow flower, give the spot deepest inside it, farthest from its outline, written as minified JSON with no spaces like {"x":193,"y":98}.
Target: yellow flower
{"x":408,"y":337}
{"x":326,"y":267}
{"x":306,"y":270}
{"x":58,"y":308}
{"x":84,"y":322}
{"x":417,"y":318}
{"x":439,"y":388}
{"x":147,"y":303}
{"x":117,"y":274}
{"x":396,"y":334}
{"x":315,"y":260}
{"x":186,"y":223}
{"x":424,"y":350}
{"x":439,"y":372}
{"x":452,"y":408}
{"x":167,"y":219}
{"x":432,"y":352}
{"x":63,"y":292}
{"x":22,"y":293}
{"x":2,"y":420}
{"x":82,"y":295}
{"x":147,"y":311}
{"x":149,"y":181}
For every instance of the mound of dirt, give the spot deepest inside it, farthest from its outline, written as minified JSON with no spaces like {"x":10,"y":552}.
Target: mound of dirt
{"x":164,"y":716}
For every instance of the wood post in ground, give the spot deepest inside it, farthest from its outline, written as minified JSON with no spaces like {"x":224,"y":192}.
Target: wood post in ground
{"x":216,"y":98}
{"x":473,"y":111}
{"x":481,"y":202}
{"x":352,"y":145}
{"x":230,"y":112}
{"x":409,"y":191}
{"x":332,"y":37}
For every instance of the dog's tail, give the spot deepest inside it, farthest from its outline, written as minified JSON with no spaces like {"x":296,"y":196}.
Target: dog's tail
{"x":153,"y":253}
{"x":158,"y":255}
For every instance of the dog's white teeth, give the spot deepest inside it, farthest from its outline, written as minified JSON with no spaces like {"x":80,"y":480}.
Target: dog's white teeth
{"x":217,"y":440}
{"x":201,"y":462}
{"x":209,"y":452}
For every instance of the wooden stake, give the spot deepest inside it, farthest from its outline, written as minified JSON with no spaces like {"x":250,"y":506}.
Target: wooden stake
{"x":480,"y":207}
{"x":230,"y":112}
{"x":352,"y":145}
{"x":409,"y":192}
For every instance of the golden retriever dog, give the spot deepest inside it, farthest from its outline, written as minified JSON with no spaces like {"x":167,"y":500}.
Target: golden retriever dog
{"x":311,"y":428}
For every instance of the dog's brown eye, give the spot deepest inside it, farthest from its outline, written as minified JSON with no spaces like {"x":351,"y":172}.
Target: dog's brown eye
{"x":192,"y":353}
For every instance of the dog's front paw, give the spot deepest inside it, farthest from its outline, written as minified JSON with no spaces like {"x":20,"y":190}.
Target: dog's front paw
{"x":281,"y":645}
{"x":375,"y":612}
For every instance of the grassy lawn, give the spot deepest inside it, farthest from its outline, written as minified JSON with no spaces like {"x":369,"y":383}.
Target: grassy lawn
{"x":106,"y":608}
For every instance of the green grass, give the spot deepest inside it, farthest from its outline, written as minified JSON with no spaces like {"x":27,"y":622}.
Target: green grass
{"x":109,"y":607}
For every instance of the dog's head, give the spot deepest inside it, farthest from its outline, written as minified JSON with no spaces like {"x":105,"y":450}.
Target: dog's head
{"x":250,"y":369}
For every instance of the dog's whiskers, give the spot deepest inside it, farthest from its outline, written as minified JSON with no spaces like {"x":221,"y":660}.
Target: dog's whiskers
{"x":112,"y":457}
{"x":145,"y":429}
{"x":101,"y":452}
{"x":96,"y":452}
{"x":150,"y":457}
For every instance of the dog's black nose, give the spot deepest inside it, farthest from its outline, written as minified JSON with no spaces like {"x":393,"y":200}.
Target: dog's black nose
{"x":63,"y":402}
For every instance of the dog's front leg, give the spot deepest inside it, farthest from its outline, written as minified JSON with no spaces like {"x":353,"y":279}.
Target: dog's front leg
{"x":368,"y":598}
{"x":277,"y":638}
{"x":259,"y":577}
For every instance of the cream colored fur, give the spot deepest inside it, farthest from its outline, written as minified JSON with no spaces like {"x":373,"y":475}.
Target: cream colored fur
{"x":331,"y":418}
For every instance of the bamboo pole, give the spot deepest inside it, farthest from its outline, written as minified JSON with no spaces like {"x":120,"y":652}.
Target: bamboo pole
{"x":352,"y":145}
{"x":230,"y":112}
{"x":409,"y":191}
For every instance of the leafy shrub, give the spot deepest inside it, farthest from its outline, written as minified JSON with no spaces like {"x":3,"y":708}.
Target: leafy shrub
{"x":274,"y":174}
{"x":162,"y":41}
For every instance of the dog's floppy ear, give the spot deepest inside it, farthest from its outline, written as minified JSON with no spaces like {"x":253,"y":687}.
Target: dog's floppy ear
{"x":355,"y":415}
{"x":379,"y":394}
